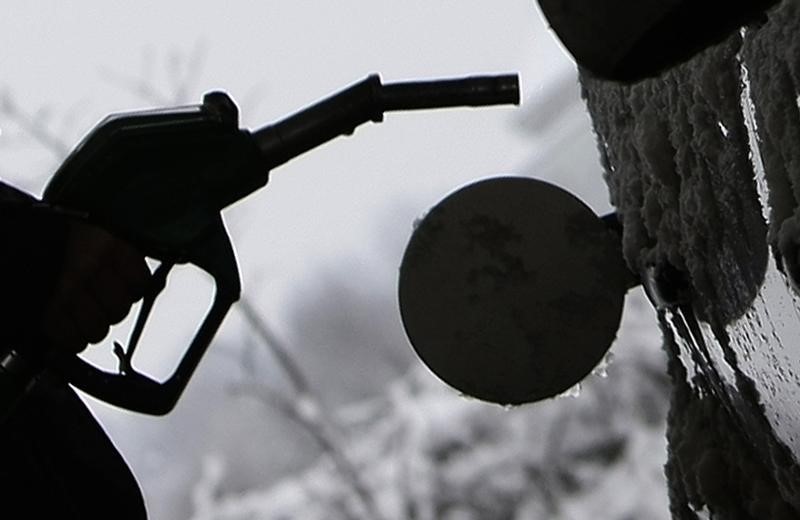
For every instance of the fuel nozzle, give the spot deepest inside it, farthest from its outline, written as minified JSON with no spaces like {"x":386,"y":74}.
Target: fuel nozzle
{"x":367,"y":100}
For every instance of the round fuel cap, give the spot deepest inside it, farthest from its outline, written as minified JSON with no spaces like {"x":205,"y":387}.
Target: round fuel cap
{"x":511,"y":290}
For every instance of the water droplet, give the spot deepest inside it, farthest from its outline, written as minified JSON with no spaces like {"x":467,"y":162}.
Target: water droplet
{"x":573,"y":392}
{"x":601,"y":370}
{"x":701,"y":513}
{"x":418,"y":221}
{"x":467,"y":397}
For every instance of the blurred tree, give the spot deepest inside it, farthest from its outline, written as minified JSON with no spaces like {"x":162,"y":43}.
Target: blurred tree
{"x":423,"y":452}
{"x":379,"y":436}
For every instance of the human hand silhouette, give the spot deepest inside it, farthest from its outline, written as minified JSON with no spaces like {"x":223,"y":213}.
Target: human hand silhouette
{"x":101,"y":278}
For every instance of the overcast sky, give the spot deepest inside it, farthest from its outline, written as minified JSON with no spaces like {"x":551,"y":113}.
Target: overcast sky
{"x":352,"y":202}
{"x":274,"y":58}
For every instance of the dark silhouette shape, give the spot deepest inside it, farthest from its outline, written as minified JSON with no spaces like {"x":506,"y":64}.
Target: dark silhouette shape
{"x":628,"y":40}
{"x":160,"y":179}
{"x":511,"y":289}
{"x":64,"y":283}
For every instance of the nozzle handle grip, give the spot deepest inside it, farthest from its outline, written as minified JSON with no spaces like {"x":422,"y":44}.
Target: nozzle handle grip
{"x":213,"y":253}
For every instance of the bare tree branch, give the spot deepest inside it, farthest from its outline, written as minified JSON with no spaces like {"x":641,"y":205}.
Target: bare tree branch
{"x":140,"y":88}
{"x":306,"y":414}
{"x":182,"y":73}
{"x":305,"y":408}
{"x":259,"y":325}
{"x":33,"y":125}
{"x":194,"y":63}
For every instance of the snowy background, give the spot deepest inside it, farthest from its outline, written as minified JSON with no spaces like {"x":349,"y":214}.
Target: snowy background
{"x":349,"y":425}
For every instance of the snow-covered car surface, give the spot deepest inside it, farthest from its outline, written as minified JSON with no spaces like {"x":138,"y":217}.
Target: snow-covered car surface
{"x":703,"y":166}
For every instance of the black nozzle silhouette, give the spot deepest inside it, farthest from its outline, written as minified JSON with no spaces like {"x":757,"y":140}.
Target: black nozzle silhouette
{"x":367,"y":100}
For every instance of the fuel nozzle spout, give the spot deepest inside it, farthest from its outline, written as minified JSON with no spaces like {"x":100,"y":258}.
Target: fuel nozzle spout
{"x":367,"y":100}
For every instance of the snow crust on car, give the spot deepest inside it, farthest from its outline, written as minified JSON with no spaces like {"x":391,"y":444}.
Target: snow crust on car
{"x":703,"y":166}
